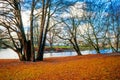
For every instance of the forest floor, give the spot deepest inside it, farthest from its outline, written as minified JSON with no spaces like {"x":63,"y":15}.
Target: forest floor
{"x":87,"y":67}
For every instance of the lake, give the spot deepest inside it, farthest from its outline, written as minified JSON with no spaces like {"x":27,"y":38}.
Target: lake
{"x":9,"y":54}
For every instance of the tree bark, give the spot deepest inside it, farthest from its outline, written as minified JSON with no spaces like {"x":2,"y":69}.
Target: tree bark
{"x":76,"y":48}
{"x":31,"y":31}
{"x":98,"y":51}
{"x":43,"y":30}
{"x":40,"y":43}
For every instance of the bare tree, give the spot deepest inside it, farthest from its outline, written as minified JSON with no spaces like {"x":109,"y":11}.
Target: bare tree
{"x":94,"y":32}
{"x":51,"y":37}
{"x":31,"y":30}
{"x":69,"y":27}
{"x":11,"y":20}
{"x":70,"y":34}
{"x":114,"y":26}
{"x":43,"y":28}
{"x":49,"y":8}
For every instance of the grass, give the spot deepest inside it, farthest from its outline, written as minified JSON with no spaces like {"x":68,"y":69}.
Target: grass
{"x":71,"y":48}
{"x":88,"y":67}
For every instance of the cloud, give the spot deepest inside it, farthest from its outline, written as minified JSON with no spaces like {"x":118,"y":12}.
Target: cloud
{"x":26,"y":18}
{"x":75,"y":10}
{"x":84,"y":28}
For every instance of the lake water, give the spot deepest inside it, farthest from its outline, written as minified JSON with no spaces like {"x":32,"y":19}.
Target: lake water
{"x":9,"y":54}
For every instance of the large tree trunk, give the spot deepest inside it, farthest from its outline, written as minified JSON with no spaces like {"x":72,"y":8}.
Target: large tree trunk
{"x":43,"y":30}
{"x":98,"y":51}
{"x":31,"y":31}
{"x":77,"y":51}
{"x":28,"y":52}
{"x":76,"y":47}
{"x":20,"y":55}
{"x":25,"y":44}
{"x":25,"y":53}
{"x":40,"y":43}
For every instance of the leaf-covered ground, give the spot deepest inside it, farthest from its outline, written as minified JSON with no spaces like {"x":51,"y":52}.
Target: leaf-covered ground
{"x":89,"y":67}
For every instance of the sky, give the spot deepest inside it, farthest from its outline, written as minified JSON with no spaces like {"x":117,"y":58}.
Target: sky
{"x":75,"y":10}
{"x":116,"y":7}
{"x":115,"y":4}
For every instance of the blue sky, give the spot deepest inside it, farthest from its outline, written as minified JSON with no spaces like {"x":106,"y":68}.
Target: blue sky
{"x":106,"y":4}
{"x":106,"y":7}
{"x":116,"y":3}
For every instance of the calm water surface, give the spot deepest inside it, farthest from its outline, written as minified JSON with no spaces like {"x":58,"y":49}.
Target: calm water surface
{"x":9,"y":54}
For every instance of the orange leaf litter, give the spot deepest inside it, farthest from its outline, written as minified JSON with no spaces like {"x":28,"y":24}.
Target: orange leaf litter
{"x":88,"y":67}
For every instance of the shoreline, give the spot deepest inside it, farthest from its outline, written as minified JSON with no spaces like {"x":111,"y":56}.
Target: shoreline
{"x":105,"y":54}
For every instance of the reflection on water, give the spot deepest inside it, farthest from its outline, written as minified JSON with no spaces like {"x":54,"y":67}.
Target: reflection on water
{"x":59,"y":54}
{"x":62,"y":54}
{"x":9,"y":54}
